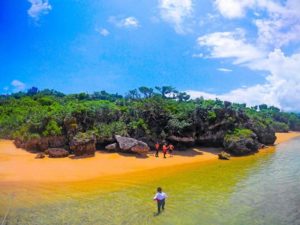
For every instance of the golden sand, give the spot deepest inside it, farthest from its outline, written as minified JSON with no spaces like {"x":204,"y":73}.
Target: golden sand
{"x":19,"y":165}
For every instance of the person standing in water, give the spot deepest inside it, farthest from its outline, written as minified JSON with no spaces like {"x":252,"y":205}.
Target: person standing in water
{"x":165,"y":149}
{"x":157,"y":149}
{"x":160,"y":197}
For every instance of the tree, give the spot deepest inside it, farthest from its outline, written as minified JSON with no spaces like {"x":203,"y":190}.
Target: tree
{"x":165,"y":90}
{"x":262,"y":107}
{"x":32,"y":91}
{"x":147,"y":92}
{"x":133,"y":94}
{"x":183,"y":97}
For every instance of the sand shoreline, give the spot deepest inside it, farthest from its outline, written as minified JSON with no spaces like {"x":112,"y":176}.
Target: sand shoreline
{"x":17,"y":165}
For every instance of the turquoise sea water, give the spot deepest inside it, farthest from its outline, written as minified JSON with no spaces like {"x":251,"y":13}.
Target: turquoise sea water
{"x":259,"y":189}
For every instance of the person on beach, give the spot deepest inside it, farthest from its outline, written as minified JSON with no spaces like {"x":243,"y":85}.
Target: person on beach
{"x":171,"y":149}
{"x":165,"y":149}
{"x":157,"y":149}
{"x":160,"y":197}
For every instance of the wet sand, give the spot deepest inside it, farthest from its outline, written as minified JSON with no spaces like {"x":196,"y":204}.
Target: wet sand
{"x":18,"y":165}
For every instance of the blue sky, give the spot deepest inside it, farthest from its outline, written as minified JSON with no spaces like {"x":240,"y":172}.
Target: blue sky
{"x":244,"y":51}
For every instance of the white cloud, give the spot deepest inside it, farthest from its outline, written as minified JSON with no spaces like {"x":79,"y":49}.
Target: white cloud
{"x":128,"y":22}
{"x":233,"y":8}
{"x":282,"y":26}
{"x":18,"y":85}
{"x":279,"y":26}
{"x":38,"y":8}
{"x":175,"y":12}
{"x":281,"y":89}
{"x":104,"y":32}
{"x":230,"y":45}
{"x":224,"y":70}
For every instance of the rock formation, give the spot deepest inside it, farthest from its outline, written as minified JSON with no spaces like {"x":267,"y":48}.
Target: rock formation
{"x":57,"y":153}
{"x":83,"y":144}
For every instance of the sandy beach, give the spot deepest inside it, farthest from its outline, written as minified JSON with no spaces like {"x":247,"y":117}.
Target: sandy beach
{"x":19,"y":165}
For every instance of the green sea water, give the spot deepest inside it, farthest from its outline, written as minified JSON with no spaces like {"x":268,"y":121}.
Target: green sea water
{"x":259,"y":189}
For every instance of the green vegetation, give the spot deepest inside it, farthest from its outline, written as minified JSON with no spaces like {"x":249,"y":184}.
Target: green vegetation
{"x":151,"y":113}
{"x":239,"y":133}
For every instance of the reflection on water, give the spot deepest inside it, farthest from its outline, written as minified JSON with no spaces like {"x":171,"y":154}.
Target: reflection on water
{"x":260,"y":189}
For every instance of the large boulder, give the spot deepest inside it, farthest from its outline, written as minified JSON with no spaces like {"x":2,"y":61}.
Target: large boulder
{"x":140,"y":148}
{"x":83,"y":144}
{"x":57,"y":153}
{"x":241,"y":142}
{"x":127,"y":144}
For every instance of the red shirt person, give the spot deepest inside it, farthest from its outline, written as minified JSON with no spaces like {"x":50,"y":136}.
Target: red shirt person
{"x":165,"y":150}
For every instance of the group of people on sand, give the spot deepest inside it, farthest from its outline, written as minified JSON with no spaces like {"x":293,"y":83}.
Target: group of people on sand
{"x":165,"y":148}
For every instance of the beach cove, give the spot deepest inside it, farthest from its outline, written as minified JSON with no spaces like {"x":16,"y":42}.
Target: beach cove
{"x":20,"y":165}
{"x":51,"y":192}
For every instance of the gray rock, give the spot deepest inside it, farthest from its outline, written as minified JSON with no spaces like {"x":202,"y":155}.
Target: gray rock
{"x":126,"y":143}
{"x":40,"y":156}
{"x":57,"y":153}
{"x":112,"y":147}
{"x":131,"y":145}
{"x":224,"y":155}
{"x":140,"y":148}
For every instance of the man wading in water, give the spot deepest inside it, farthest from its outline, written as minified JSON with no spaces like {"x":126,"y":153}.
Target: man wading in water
{"x":160,"y":198}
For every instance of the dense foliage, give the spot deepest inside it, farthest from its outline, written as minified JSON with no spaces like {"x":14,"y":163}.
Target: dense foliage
{"x":146,"y":113}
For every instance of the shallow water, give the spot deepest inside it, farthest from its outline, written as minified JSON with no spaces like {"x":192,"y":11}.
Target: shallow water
{"x":259,"y":189}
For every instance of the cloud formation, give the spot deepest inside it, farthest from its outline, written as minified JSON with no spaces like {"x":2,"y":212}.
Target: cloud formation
{"x":128,"y":22}
{"x":18,"y":85}
{"x":224,"y":70}
{"x":104,"y":32}
{"x":279,"y":26}
{"x":38,"y":8}
{"x":230,"y":45}
{"x":175,"y":12}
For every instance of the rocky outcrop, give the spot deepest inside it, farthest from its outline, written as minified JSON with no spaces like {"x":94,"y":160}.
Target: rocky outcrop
{"x":34,"y":144}
{"x":57,"y":153}
{"x":57,"y":141}
{"x":241,"y":144}
{"x":224,"y":155}
{"x":265,"y":133}
{"x":41,"y":143}
{"x":83,"y":144}
{"x":132,"y":145}
{"x":186,"y":141}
